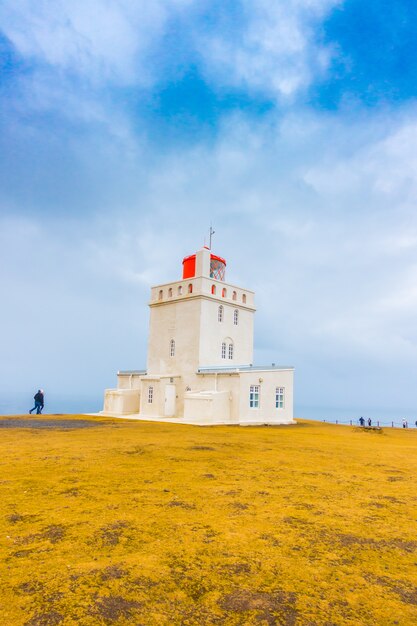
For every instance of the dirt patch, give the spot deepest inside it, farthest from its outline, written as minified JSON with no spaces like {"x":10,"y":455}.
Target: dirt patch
{"x":22,"y":553}
{"x":402,"y":544}
{"x":351,"y":540}
{"x":304,"y":506}
{"x":236,"y":568}
{"x":202,"y":448}
{"x":209,"y":476}
{"x":270,"y":539}
{"x":71,"y":493}
{"x":30,"y":587}
{"x":142,"y":582}
{"x":277,"y":607}
{"x":51,"y":618}
{"x":14,"y":518}
{"x":181,"y":505}
{"x":53,"y":533}
{"x":210,"y":536}
{"x":111,"y":534}
{"x":369,"y":429}
{"x":113,"y":572}
{"x":48,"y":424}
{"x":391,"y":499}
{"x":191,"y":579}
{"x":295,"y":521}
{"x":113,"y":608}
{"x":406,"y":595}
{"x":239,"y":506}
{"x":404,"y":590}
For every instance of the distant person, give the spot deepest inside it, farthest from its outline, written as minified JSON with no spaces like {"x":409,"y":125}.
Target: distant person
{"x":416,"y":424}
{"x":405,"y":425}
{"x":39,"y":402}
{"x":369,"y":421}
{"x":362,"y":421}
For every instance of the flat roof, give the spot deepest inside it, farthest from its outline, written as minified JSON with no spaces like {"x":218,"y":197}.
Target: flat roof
{"x":242,"y":368}
{"x":227,"y":369}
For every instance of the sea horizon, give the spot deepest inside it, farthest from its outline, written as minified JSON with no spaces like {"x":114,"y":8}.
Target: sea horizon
{"x":19,"y":403}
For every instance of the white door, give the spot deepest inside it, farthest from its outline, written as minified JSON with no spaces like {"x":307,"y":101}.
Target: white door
{"x":170,"y":393}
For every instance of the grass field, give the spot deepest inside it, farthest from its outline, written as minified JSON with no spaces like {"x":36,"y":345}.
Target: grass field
{"x":142,"y":523}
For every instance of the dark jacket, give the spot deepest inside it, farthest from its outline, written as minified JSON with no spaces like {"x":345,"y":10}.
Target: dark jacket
{"x":38,"y":397}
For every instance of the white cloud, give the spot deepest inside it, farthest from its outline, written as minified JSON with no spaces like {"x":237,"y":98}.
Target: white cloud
{"x":385,"y":166}
{"x":277,"y":51}
{"x":274,"y":46}
{"x":96,"y":40}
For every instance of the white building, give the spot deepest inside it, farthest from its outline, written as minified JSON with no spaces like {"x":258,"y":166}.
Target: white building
{"x":200,"y":357}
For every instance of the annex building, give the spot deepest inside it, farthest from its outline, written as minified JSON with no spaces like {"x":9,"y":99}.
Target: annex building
{"x":200,"y":357}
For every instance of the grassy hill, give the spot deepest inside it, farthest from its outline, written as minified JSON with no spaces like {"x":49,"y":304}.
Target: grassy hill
{"x":118,"y":522}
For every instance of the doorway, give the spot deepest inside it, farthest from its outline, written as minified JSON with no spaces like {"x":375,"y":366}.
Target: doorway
{"x":170,"y":396}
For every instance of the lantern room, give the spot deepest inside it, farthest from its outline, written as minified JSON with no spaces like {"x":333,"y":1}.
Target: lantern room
{"x":217,"y":266}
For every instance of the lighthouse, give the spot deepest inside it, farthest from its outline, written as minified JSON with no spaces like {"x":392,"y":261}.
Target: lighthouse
{"x":200,"y":356}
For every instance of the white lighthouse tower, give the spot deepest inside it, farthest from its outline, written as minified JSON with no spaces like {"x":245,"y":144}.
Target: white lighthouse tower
{"x":200,"y":356}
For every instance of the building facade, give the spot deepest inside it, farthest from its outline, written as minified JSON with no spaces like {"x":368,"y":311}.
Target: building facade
{"x":200,"y":357}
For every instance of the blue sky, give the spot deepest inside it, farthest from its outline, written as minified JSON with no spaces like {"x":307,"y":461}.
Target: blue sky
{"x":126,"y":127}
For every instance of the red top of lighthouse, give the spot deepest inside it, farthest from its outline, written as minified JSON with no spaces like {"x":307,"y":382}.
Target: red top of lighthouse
{"x":217,"y":266}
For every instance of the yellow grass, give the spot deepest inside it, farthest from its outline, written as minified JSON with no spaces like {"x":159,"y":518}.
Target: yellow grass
{"x":143,"y":523}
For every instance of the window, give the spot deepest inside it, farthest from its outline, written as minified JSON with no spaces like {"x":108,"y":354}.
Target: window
{"x":254,"y":396}
{"x":224,"y":292}
{"x":244,"y":298}
{"x":230,"y":351}
{"x":180,"y":290}
{"x":190,"y":288}
{"x":213,"y":290}
{"x":279,"y":398}
{"x":223,"y":350}
{"x":217,"y":268}
{"x":220,"y":314}
{"x":150,"y":395}
{"x":234,"y":295}
{"x":170,"y":292}
{"x":236,"y":317}
{"x":160,"y":295}
{"x":172,"y":347}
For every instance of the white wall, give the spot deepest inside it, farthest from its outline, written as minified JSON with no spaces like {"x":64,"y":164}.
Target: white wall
{"x":267,"y":381}
{"x":121,"y":401}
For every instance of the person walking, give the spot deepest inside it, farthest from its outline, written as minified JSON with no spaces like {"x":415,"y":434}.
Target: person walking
{"x":405,"y":423}
{"x":362,"y":421}
{"x":369,"y":422}
{"x":39,"y":402}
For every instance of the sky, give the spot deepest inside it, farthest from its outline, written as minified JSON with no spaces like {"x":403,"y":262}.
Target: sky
{"x":127,"y":127}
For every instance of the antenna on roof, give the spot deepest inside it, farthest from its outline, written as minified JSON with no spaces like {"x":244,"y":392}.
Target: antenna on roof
{"x":211,"y":231}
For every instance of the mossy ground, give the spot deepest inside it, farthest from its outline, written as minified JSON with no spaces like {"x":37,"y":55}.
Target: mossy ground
{"x":135,"y":523}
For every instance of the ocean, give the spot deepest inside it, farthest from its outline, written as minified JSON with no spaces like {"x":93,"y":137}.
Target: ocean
{"x":19,"y":403}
